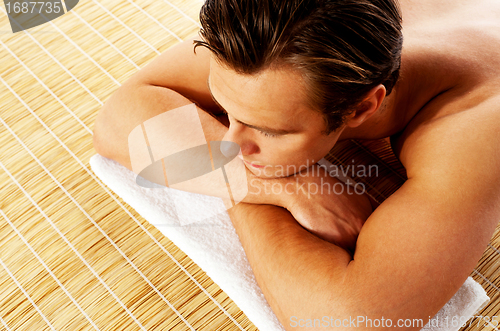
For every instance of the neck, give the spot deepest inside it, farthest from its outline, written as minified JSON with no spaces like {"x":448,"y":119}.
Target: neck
{"x":420,"y":81}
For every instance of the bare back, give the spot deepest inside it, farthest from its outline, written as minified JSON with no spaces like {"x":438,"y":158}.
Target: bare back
{"x":453,"y":46}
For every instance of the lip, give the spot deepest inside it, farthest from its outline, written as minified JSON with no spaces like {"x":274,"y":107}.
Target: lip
{"x":253,"y":165}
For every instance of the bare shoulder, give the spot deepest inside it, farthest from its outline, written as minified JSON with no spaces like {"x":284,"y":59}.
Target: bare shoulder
{"x":434,"y":229}
{"x":465,"y":140}
{"x":421,"y":12}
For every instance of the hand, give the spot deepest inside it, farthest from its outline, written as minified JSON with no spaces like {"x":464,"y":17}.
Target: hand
{"x":327,"y":207}
{"x":265,"y":191}
{"x":335,"y":213}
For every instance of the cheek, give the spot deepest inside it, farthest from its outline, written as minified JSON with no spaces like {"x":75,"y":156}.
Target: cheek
{"x":301,"y":149}
{"x":286,"y":150}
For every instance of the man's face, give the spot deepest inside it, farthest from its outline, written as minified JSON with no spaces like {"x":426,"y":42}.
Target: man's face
{"x":269,"y":119}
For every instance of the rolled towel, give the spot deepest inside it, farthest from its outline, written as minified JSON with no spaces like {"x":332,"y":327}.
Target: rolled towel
{"x":200,"y":226}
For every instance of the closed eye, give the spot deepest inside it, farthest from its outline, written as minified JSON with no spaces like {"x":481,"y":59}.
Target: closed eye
{"x":260,"y":129}
{"x":268,"y":135}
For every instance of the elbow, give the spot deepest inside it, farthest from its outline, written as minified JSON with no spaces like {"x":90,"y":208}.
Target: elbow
{"x":109,"y":147}
{"x":106,"y":137}
{"x":103,"y":137}
{"x":98,"y":140}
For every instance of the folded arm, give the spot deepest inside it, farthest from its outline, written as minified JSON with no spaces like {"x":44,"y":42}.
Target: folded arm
{"x":178,"y":78}
{"x":412,"y":254}
{"x":174,"y":79}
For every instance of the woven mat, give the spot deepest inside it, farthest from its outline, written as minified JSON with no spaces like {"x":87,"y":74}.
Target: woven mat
{"x":73,"y":255}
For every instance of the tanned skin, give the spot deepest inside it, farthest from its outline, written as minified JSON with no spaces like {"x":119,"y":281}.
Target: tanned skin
{"x":418,"y":247}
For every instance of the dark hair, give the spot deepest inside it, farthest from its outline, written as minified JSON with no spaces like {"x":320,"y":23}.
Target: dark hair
{"x":342,"y":48}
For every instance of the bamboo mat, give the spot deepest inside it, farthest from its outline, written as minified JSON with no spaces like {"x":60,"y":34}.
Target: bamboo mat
{"x":73,"y":255}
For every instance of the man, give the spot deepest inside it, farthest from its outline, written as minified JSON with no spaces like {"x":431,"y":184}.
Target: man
{"x":295,"y":77}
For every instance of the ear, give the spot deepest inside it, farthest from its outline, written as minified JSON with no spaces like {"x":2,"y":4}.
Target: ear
{"x":369,"y":106}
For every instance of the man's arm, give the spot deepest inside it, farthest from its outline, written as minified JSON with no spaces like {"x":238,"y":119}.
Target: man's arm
{"x":176,"y":78}
{"x":413,"y":253}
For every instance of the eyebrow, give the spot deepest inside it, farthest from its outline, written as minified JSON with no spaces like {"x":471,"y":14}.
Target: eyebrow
{"x":260,"y":128}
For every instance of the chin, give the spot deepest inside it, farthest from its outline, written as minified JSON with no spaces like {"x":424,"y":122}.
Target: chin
{"x":260,"y":173}
{"x":266,"y":173}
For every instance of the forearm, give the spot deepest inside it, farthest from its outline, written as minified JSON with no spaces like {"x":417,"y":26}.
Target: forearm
{"x":299,"y":274}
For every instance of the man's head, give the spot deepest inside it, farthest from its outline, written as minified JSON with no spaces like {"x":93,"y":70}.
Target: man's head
{"x":336,"y":51}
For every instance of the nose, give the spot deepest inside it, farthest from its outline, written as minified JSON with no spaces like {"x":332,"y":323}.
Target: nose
{"x":237,"y":134}
{"x":229,"y":149}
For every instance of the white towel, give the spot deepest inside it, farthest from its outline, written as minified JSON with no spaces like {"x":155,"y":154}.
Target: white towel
{"x":200,"y":226}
